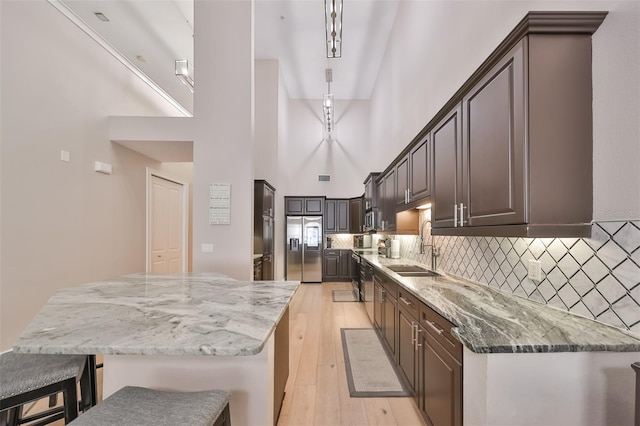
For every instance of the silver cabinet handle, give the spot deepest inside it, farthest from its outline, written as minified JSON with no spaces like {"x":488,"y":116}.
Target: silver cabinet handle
{"x":408,"y":195}
{"x":413,"y":333}
{"x":432,"y":325}
{"x":406,"y":302}
{"x":461,"y":214}
{"x":418,"y":344}
{"x":455,"y":216}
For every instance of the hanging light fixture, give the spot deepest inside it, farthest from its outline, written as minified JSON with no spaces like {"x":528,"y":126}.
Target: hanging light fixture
{"x":333,"y":24}
{"x":184,"y":72}
{"x":328,"y":109}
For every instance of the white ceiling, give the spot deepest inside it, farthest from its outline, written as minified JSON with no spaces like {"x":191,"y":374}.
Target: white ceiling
{"x":291,"y":31}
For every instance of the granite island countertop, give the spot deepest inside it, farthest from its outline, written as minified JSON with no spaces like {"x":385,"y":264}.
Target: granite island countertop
{"x":141,"y":314}
{"x":493,"y":321}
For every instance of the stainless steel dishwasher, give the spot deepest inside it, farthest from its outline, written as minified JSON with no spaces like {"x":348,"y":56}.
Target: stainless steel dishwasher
{"x":367,"y":286}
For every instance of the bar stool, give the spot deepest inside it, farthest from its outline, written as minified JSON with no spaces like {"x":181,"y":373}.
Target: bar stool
{"x":148,"y":407}
{"x":28,"y":377}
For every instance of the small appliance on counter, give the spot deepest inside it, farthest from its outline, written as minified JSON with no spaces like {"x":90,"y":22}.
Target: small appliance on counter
{"x":395,"y":249}
{"x":328,"y":243}
{"x":382,"y":247}
{"x":362,"y":241}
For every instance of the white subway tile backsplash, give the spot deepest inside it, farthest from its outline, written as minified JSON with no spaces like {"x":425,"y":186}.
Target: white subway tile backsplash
{"x":597,"y":277}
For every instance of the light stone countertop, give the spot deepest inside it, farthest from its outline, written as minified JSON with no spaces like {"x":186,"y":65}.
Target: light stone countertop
{"x":140,"y":314}
{"x":492,"y":321}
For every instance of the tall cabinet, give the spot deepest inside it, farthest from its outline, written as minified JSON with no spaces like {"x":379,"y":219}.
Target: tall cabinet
{"x":263,"y":231}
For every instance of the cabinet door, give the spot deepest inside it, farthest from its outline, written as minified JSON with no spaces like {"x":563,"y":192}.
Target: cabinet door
{"x":342,"y":216}
{"x":267,"y":268}
{"x":356,"y":215}
{"x":441,"y":383}
{"x":257,"y":270}
{"x":494,"y":184}
{"x":446,"y":139}
{"x":268,"y":201}
{"x":369,"y":190}
{"x":389,"y":323}
{"x":406,"y":347}
{"x":389,"y":206}
{"x":267,"y":235}
{"x":330,"y":222}
{"x":345,"y":264}
{"x":331,"y":265}
{"x":378,"y":207}
{"x":294,"y":205}
{"x":378,"y":297}
{"x":313,"y":205}
{"x":402,"y":181}
{"x":419,"y":174}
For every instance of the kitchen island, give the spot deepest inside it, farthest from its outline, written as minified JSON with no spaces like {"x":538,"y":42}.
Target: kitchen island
{"x":524,"y":363}
{"x":178,"y":332}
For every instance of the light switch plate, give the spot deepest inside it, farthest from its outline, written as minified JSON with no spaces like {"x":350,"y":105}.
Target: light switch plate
{"x":65,"y":156}
{"x":206,"y":248}
{"x":534,"y":271}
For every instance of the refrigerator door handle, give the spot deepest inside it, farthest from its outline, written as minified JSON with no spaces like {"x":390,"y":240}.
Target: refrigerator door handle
{"x":294,"y":244}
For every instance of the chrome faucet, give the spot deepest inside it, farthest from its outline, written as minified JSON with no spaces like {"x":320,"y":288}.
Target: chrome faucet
{"x":435,"y":252}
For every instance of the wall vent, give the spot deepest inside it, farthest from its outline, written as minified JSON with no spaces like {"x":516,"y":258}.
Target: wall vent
{"x":324,"y":178}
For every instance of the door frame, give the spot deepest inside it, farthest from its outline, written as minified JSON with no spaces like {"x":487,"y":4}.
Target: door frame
{"x":185,"y":219}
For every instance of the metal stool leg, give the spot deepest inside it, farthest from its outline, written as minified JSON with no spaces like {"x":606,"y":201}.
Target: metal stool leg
{"x":70,"y":395}
{"x":88,"y":385}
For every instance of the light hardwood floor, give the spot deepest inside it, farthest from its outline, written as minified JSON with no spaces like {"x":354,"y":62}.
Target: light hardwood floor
{"x":317,"y":391}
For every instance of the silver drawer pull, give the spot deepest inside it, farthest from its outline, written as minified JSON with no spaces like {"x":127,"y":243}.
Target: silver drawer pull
{"x":406,"y":302}
{"x":434,"y":328}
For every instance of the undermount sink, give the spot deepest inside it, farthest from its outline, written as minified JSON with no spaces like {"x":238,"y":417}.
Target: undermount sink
{"x":412,"y":271}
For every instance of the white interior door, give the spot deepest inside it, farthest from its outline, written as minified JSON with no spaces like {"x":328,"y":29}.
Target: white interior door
{"x":166,"y":226}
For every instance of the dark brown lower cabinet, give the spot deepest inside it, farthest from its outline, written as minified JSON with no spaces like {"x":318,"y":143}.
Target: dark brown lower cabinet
{"x":439,"y":371}
{"x":257,"y":269}
{"x":385,"y":309}
{"x":408,"y":329}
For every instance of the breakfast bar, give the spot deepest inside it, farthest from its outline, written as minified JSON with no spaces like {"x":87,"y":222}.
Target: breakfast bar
{"x":177,"y":332}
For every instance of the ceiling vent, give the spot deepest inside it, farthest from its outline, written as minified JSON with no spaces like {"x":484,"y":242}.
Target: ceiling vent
{"x":324,"y":178}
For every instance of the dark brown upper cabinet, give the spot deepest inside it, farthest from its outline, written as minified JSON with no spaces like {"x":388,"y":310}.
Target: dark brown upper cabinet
{"x":446,"y":138}
{"x":370,"y":192}
{"x":413,"y":180}
{"x":336,"y":216}
{"x":356,"y":215}
{"x":264,"y":198}
{"x":512,"y":149}
{"x":304,"y":205}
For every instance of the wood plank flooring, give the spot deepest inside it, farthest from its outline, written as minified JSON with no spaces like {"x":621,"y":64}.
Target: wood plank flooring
{"x":317,"y":392}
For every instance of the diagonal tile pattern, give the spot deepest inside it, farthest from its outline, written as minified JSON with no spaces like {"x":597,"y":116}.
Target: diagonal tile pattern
{"x":597,"y":277}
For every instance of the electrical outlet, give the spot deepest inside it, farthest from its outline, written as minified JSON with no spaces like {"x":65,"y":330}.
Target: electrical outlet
{"x":535,"y":270}
{"x":206,"y":248}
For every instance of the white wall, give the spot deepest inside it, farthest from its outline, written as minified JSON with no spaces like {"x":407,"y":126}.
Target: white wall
{"x":346,"y":159}
{"x":436,"y":45}
{"x":281,"y":188}
{"x":266,"y":112}
{"x":65,"y":223}
{"x":223,"y":130}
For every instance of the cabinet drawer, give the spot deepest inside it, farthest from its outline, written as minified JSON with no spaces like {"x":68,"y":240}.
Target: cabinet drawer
{"x":335,"y":252}
{"x":408,"y":303}
{"x":440,"y":329}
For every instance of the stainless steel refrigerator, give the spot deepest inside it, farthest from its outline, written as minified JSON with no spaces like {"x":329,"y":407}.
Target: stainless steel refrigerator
{"x":304,"y":248}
